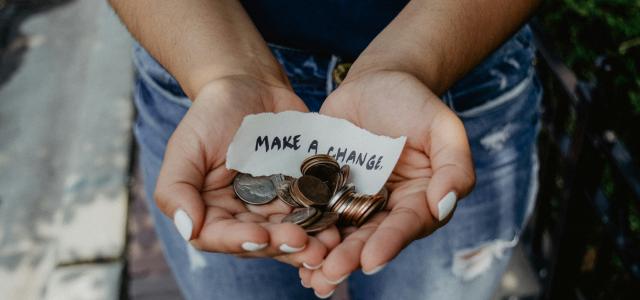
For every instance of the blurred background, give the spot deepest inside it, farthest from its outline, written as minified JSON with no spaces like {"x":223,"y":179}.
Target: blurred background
{"x":73,"y":224}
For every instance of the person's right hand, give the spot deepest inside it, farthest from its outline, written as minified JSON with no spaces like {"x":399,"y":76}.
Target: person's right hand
{"x":194,"y":186}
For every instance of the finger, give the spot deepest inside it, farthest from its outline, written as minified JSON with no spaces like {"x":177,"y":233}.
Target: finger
{"x":250,"y":217}
{"x":330,"y":237}
{"x":311,"y":257}
{"x":305,"y":277}
{"x":346,"y":231}
{"x":321,"y":285}
{"x":224,"y":233}
{"x":285,"y":238}
{"x":401,"y":226}
{"x":178,"y":187}
{"x":453,"y":173}
{"x":345,"y":258}
{"x":275,"y":206}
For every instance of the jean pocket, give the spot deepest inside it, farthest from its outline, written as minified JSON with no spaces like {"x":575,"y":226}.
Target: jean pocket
{"x":504,"y":72}
{"x":158,"y":79}
{"x":487,"y":97}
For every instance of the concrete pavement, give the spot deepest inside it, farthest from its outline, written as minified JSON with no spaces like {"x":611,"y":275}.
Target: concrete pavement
{"x":65,"y":119}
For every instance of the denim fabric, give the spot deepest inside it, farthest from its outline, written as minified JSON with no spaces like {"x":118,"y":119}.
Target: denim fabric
{"x":498,"y":103}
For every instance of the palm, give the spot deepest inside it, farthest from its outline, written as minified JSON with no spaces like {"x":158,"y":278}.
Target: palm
{"x":397,"y":104}
{"x":194,"y":177}
{"x":228,"y":109}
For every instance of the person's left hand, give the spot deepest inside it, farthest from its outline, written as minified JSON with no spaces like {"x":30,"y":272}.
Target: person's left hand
{"x":435,"y":169}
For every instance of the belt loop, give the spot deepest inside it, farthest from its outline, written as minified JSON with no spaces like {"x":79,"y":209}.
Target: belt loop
{"x":332,"y":65}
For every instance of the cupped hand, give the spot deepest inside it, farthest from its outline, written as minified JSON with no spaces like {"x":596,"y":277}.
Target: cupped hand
{"x":194,"y":186}
{"x":434,"y":170}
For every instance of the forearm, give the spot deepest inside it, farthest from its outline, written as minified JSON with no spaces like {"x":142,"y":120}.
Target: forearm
{"x":438,"y":41}
{"x":199,"y":40}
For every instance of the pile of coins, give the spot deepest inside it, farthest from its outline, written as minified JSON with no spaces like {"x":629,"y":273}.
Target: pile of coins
{"x":321,"y":197}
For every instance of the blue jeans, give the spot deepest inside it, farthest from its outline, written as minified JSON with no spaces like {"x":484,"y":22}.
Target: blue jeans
{"x":498,"y":103}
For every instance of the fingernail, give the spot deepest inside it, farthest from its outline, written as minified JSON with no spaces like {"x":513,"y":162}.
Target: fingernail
{"x":249,"y":246}
{"x":183,"y":224}
{"x":374,"y":270}
{"x":311,"y":267}
{"x":324,"y":296}
{"x":288,"y":249}
{"x":304,"y":285}
{"x":446,"y":204}
{"x":337,"y":281}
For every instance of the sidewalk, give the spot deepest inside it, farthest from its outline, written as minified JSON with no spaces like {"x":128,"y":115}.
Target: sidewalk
{"x":65,"y":119}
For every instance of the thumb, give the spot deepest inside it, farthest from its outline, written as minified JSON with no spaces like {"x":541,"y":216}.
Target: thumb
{"x":177,"y":192}
{"x":453,"y":172}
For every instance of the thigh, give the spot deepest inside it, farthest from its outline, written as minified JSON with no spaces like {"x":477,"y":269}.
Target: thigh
{"x":161,"y":105}
{"x":466,"y":258}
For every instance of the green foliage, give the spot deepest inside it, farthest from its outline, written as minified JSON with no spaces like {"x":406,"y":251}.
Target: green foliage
{"x":582,"y":31}
{"x":586,"y":29}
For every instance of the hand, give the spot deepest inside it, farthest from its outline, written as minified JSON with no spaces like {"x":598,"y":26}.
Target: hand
{"x":434,"y":170}
{"x":194,"y":186}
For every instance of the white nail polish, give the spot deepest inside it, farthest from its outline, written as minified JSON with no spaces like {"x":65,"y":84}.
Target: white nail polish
{"x":183,"y":224}
{"x":374,"y":270}
{"x":324,"y":296}
{"x":251,"y":247}
{"x":310,"y":267}
{"x":288,"y":249}
{"x":337,"y":281}
{"x":446,"y":204}
{"x":302,"y":283}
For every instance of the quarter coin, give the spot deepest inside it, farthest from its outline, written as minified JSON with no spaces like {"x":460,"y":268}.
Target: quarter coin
{"x":254,"y":190}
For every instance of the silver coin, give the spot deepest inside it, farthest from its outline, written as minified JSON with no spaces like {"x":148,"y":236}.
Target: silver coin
{"x":348,"y":188}
{"x":254,"y":190}
{"x":280,"y":179}
{"x":301,"y":215}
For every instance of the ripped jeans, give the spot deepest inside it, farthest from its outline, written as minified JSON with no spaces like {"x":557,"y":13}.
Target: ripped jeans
{"x":498,"y":103}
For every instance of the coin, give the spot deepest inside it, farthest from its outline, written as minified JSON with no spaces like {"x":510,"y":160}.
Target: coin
{"x":324,"y":172}
{"x":321,"y":166}
{"x":317,"y":159}
{"x":327,"y":219}
{"x":313,"y":191}
{"x":321,"y":197}
{"x":279,"y":179}
{"x":284,"y":194}
{"x":349,"y":214}
{"x":373,"y":204}
{"x":340,"y":196}
{"x":345,"y":170}
{"x":301,"y":215}
{"x":254,"y":190}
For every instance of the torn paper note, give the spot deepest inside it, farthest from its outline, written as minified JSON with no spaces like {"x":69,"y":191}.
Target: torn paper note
{"x":271,"y":143}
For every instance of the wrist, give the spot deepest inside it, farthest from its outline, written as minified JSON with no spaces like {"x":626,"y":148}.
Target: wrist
{"x":207,"y":75}
{"x":425,"y":69}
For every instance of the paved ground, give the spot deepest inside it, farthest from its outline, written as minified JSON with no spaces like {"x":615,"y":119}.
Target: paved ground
{"x":65,"y":169}
{"x":65,"y":119}
{"x":149,"y":276}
